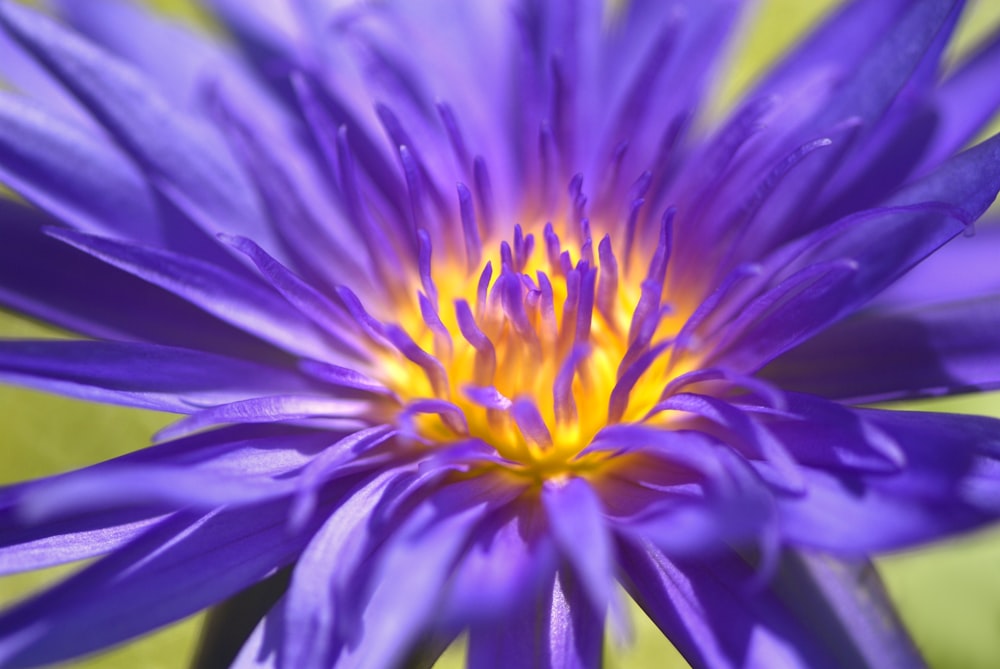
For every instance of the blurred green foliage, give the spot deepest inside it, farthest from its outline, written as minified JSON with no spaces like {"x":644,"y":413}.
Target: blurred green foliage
{"x":949,"y":594}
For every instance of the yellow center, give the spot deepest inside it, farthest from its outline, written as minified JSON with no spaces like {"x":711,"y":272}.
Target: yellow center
{"x":550,"y":378}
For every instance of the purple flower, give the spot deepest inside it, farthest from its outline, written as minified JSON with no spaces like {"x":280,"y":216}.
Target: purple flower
{"x":628,"y":346}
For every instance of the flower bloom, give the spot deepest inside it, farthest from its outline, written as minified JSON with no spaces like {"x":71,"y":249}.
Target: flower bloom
{"x":469,"y":318}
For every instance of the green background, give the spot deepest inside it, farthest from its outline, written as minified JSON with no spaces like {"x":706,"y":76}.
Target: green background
{"x":948,"y":594}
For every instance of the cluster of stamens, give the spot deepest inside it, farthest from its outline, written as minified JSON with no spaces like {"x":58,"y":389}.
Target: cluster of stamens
{"x":538,"y":351}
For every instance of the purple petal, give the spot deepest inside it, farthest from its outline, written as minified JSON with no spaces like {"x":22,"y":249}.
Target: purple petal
{"x":847,"y":598}
{"x":828,"y":435}
{"x":963,"y":269}
{"x":270,"y":409}
{"x":943,"y":490}
{"x":234,"y":299}
{"x":23,"y":74}
{"x":412,"y":569}
{"x":686,"y":515}
{"x":558,"y":628}
{"x":56,"y":283}
{"x":142,"y":37}
{"x":887,"y":67}
{"x":158,"y":578}
{"x":187,"y":159}
{"x":308,"y":300}
{"x":886,"y":355}
{"x":861,"y":22}
{"x":230,"y":453}
{"x":716,"y":620}
{"x":964,"y":103}
{"x":883,"y":244}
{"x":62,"y":168}
{"x":310,"y":605}
{"x":25,"y":549}
{"x":578,"y":526}
{"x":512,"y":556}
{"x":863,"y":98}
{"x":131,"y":486}
{"x":141,"y":375}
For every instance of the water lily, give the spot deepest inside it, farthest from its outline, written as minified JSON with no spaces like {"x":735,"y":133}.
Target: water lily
{"x":470,"y":315}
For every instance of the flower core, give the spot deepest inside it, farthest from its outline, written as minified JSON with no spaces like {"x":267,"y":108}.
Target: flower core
{"x":537,"y":348}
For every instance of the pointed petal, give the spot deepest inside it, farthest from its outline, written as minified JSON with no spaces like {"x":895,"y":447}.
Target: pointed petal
{"x":502,"y":568}
{"x":141,"y":37}
{"x":310,"y":606}
{"x":881,"y":245}
{"x":559,"y":629}
{"x":964,"y":103}
{"x":22,"y":73}
{"x":243,"y":302}
{"x":862,"y":22}
{"x":947,"y":486}
{"x":141,"y":375}
{"x":578,"y":525}
{"x":964,"y":269}
{"x":158,"y":578}
{"x":254,"y":451}
{"x":270,"y":409}
{"x":862,"y":100}
{"x":28,"y":548}
{"x":411,"y":572}
{"x":159,"y":487}
{"x":51,"y":281}
{"x":846,"y":600}
{"x":65,"y":170}
{"x":902,"y":354}
{"x":188,"y":160}
{"x":828,"y":435}
{"x":712,"y":615}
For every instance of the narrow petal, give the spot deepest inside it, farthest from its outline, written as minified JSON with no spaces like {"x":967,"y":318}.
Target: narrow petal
{"x":863,"y":98}
{"x":179,"y":150}
{"x":141,"y":37}
{"x":158,"y":578}
{"x":65,"y":170}
{"x":845,"y":600}
{"x":243,"y":302}
{"x":22,"y":73}
{"x":862,"y":22}
{"x":231,"y":453}
{"x":900,"y":354}
{"x":559,"y":629}
{"x":964,"y":103}
{"x":503,"y":567}
{"x":577,"y":520}
{"x":37,"y":547}
{"x":310,"y":605}
{"x":717,"y":621}
{"x":951,"y":465}
{"x":411,"y":571}
{"x":162,"y":487}
{"x":723,"y":501}
{"x":141,"y":375}
{"x":828,"y":435}
{"x":51,"y":281}
{"x":881,"y":244}
{"x":274,"y":408}
{"x":961,"y":270}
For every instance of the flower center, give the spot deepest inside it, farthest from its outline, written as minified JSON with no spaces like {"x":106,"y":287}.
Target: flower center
{"x":536,"y":349}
